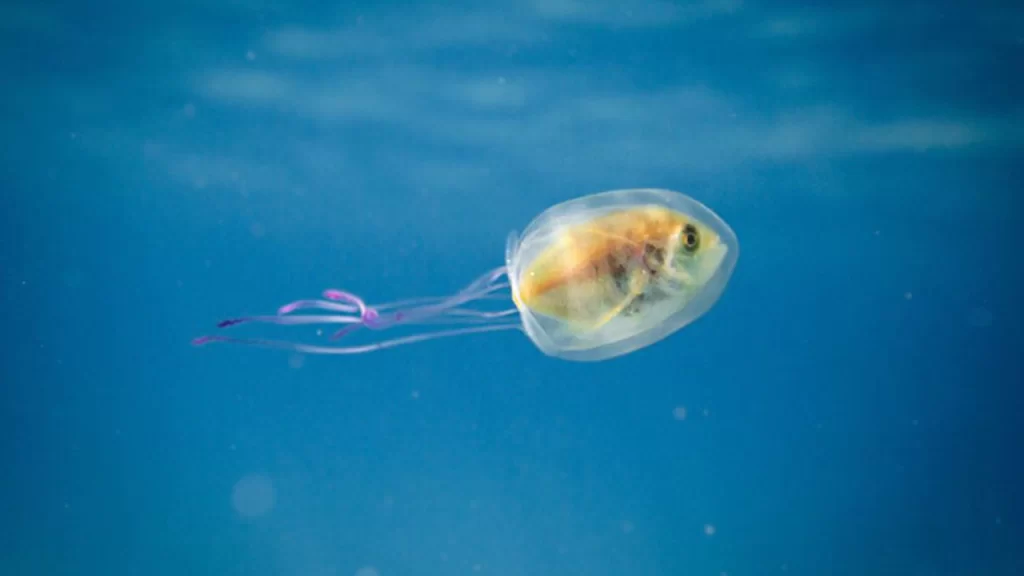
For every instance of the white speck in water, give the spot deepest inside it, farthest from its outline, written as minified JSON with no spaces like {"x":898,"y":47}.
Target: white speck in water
{"x":250,"y":55}
{"x":679,"y":413}
{"x":367,"y":571}
{"x":414,"y":394}
{"x":709,"y":529}
{"x":908,"y":295}
{"x":253,"y":496}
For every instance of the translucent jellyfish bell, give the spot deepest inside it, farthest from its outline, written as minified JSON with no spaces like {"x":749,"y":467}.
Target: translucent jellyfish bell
{"x":603,"y":275}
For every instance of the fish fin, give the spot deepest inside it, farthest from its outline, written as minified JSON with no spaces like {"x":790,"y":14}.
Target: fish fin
{"x":637,"y":285}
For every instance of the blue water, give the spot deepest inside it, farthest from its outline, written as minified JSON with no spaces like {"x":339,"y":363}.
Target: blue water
{"x":851,"y":406}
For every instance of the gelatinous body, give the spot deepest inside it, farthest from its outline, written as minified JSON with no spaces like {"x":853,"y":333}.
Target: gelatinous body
{"x":603,"y":275}
{"x":592,"y":278}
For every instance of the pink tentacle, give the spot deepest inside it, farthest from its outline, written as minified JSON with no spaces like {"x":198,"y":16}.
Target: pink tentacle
{"x":290,"y":320}
{"x":352,"y":310}
{"x":316,"y":304}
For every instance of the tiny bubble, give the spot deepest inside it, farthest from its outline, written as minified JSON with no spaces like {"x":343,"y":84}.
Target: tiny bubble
{"x":679,"y":413}
{"x":253,"y":496}
{"x":908,"y":295}
{"x":414,"y":394}
{"x":250,"y":55}
{"x":709,"y":529}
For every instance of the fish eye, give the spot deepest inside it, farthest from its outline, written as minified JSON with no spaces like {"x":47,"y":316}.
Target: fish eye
{"x":691,"y":238}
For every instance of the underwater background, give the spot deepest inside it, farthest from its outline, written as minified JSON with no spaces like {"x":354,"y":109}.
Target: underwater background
{"x":850,"y":406}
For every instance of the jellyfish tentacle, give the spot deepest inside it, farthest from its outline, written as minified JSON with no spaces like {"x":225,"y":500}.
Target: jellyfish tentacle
{"x":353,"y":310}
{"x":368,"y":317}
{"x":290,"y":320}
{"x":481,"y":313}
{"x":372,"y":319}
{"x":315,"y":304}
{"x":484,"y":285}
{"x":372,"y":347}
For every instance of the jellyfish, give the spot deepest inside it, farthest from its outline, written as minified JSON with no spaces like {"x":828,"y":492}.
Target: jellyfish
{"x":592,"y":278}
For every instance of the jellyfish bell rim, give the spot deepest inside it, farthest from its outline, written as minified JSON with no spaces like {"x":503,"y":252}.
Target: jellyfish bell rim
{"x":523,"y":248}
